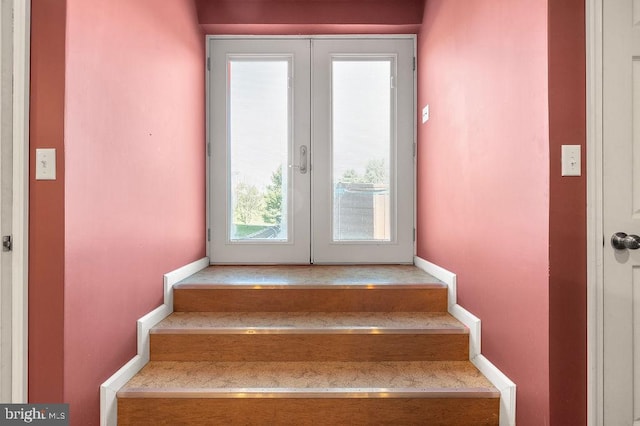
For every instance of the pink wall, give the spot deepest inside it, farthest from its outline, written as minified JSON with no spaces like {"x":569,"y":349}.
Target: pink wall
{"x":46,"y":201}
{"x":483,"y":177}
{"x":568,"y":224}
{"x":135,"y":200}
{"x":133,"y":181}
{"x":310,"y":16}
{"x":369,"y":12}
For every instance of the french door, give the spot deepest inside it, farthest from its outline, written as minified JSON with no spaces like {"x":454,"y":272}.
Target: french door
{"x":311,"y":150}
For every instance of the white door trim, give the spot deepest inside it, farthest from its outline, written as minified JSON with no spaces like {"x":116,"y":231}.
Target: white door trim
{"x":20,"y":264}
{"x":595,"y":235}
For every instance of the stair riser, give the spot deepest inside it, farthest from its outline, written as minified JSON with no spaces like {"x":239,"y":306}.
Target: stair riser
{"x":309,"y":347}
{"x":310,"y":300}
{"x":313,"y":411}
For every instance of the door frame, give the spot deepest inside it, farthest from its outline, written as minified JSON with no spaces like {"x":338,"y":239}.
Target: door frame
{"x":299,"y":36}
{"x":20,"y":201}
{"x":595,"y":233}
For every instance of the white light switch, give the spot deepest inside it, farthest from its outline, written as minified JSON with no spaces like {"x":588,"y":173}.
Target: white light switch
{"x":46,"y":164}
{"x":425,"y":114}
{"x":571,"y":160}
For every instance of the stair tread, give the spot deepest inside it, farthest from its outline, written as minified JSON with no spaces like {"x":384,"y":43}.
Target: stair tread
{"x":316,"y":276}
{"x":309,"y":379}
{"x":311,"y":322}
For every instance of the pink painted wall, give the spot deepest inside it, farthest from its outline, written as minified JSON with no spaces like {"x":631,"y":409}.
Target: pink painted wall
{"x":483,"y":177}
{"x":568,"y":222}
{"x":46,"y":203}
{"x":132,"y":92}
{"x":369,"y":12}
{"x":310,"y":16}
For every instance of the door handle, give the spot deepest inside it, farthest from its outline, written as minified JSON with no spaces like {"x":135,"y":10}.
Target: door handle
{"x":621,"y":241}
{"x":303,"y":160}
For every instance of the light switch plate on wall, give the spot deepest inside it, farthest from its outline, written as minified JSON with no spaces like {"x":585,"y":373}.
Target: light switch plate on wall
{"x":425,"y":114}
{"x":45,"y":164}
{"x":571,"y":160}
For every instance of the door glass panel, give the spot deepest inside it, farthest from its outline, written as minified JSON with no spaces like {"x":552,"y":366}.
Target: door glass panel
{"x":361,"y":107}
{"x":258,"y":148}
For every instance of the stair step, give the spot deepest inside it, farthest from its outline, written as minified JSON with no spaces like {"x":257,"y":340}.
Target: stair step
{"x":312,"y":274}
{"x":309,"y":336}
{"x":332,"y":322}
{"x":379,"y":288}
{"x":309,"y":298}
{"x":260,"y":379}
{"x":414,"y":392}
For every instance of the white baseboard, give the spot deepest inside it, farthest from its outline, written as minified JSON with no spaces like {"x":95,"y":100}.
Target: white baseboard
{"x":109,"y":389}
{"x":475,"y":328}
{"x":506,"y":387}
{"x":449,"y":278}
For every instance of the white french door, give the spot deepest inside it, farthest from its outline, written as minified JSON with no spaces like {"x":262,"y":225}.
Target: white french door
{"x":259,"y":121}
{"x":363,"y":145}
{"x":311,"y":150}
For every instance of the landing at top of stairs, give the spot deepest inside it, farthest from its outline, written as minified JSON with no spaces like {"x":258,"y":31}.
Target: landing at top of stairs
{"x":313,"y":275}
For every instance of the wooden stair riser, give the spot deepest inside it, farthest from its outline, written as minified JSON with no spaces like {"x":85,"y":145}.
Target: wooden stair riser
{"x":311,"y":411}
{"x":309,"y":347}
{"x":310,"y":300}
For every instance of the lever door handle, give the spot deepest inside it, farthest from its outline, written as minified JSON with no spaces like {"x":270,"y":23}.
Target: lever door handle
{"x":303,"y":160}
{"x":621,"y":241}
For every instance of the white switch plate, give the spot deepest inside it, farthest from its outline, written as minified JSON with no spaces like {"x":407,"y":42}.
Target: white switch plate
{"x":571,"y":160}
{"x":425,"y":114}
{"x":46,"y":164}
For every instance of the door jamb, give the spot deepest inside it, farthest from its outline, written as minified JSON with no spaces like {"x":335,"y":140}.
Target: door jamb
{"x":20,"y":225}
{"x":595,"y":233}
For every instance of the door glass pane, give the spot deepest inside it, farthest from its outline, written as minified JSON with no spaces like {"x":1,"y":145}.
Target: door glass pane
{"x":361,"y":149}
{"x":259,"y":129}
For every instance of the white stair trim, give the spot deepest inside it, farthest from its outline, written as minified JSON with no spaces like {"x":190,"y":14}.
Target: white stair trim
{"x":449,"y":278}
{"x":109,"y":389}
{"x":506,"y":387}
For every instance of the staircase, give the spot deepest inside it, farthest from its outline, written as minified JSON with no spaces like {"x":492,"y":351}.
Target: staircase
{"x":309,"y":345}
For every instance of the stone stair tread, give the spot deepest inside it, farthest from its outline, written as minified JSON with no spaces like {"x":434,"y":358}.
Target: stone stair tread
{"x":314,"y":276}
{"x":421,"y":379}
{"x":260,"y":285}
{"x":309,"y":322}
